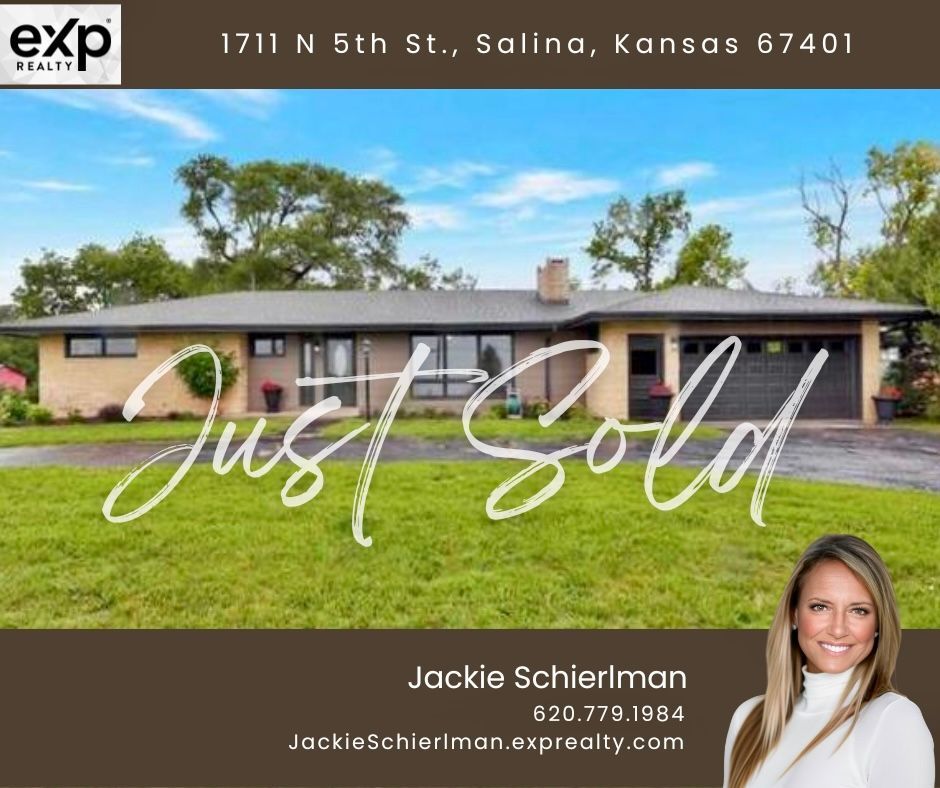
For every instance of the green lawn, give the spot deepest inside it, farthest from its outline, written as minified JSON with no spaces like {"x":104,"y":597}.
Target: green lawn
{"x":921,"y":425}
{"x":122,"y":431}
{"x":487,"y":429}
{"x":224,"y":551}
{"x":188,"y":429}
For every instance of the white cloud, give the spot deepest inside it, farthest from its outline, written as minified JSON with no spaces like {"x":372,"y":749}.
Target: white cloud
{"x":547,"y":186}
{"x":677,"y":174}
{"x":180,"y":241}
{"x":249,"y":101}
{"x":746,"y":203}
{"x":430,"y":216}
{"x":382,"y":163}
{"x":53,"y":185}
{"x":132,"y":104}
{"x":5,"y":154}
{"x":130,"y":161}
{"x":457,"y":175}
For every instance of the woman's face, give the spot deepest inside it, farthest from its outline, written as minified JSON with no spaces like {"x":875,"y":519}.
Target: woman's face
{"x":836,"y":618}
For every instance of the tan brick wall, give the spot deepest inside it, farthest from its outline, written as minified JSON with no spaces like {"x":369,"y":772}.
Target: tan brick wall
{"x":86,"y":384}
{"x":609,"y":395}
{"x":564,"y":370}
{"x":871,"y":368}
{"x":281,"y":369}
{"x":390,"y":353}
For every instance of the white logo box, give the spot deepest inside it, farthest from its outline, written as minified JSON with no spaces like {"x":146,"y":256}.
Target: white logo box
{"x":60,"y":44}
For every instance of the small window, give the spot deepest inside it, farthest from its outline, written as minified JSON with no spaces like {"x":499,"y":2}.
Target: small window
{"x":120,"y":346}
{"x":83,"y":347}
{"x":815,"y":345}
{"x":795,"y":346}
{"x":643,"y":362}
{"x":837,"y":346}
{"x":774,"y":347}
{"x":263,"y":346}
{"x":691,"y":348}
{"x":754,"y":346}
{"x":710,"y":346}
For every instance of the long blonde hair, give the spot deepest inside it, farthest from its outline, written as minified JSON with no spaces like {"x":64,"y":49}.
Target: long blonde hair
{"x":762,"y":729}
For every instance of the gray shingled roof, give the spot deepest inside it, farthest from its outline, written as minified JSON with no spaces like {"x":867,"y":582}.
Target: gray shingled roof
{"x":331,"y":309}
{"x":720,"y":303}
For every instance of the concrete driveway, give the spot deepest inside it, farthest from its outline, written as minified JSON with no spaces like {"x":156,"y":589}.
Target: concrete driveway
{"x":877,"y":457}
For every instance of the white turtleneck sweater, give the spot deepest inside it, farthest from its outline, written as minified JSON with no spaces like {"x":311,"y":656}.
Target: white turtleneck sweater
{"x":890,"y":746}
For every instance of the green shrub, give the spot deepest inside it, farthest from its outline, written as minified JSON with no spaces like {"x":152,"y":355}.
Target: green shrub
{"x":40,"y":415}
{"x":111,"y":412}
{"x":14,"y":408}
{"x":577,"y":412}
{"x":74,"y":416}
{"x":535,"y":408}
{"x":181,"y":415}
{"x":198,"y":373}
{"x":498,"y":411}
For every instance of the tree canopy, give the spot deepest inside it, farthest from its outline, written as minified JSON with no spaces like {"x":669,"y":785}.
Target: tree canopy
{"x":705,"y":259}
{"x":96,"y":277}
{"x":633,"y":239}
{"x":271,"y":224}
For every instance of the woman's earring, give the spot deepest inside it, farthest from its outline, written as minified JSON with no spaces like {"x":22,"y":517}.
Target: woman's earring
{"x":877,"y":633}
{"x":793,"y":626}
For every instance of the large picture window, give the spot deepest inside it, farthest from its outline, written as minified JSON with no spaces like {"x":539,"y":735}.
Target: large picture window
{"x":489,"y":352}
{"x":94,"y":346}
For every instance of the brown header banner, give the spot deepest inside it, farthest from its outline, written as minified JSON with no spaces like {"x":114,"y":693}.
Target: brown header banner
{"x":526,"y":43}
{"x":631,"y":708}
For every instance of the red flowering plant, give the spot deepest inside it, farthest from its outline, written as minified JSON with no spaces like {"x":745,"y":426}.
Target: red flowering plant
{"x":661,"y":389}
{"x":270,"y":387}
{"x":890,"y":392}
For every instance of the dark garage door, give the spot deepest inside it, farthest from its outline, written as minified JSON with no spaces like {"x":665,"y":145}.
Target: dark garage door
{"x":766,"y":373}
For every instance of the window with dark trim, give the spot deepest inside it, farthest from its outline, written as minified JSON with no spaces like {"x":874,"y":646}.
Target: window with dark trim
{"x":755,"y":346}
{"x":267,"y":345}
{"x":795,"y":346}
{"x":837,"y":346}
{"x":690,"y":348}
{"x":97,"y":345}
{"x":490,"y":352}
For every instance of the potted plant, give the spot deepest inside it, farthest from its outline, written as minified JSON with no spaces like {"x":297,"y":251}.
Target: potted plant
{"x":272,"y":395}
{"x":886,"y":403}
{"x":661,"y":395}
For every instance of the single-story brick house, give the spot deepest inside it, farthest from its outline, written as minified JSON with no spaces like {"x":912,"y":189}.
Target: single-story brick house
{"x":91,"y":359}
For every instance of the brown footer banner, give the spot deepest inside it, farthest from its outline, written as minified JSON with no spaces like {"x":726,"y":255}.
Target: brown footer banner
{"x":402,"y":707}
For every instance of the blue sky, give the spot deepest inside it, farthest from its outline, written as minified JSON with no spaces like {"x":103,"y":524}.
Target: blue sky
{"x":495,"y":181}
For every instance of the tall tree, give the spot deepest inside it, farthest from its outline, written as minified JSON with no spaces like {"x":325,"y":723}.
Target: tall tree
{"x":827,"y":220}
{"x":705,"y":259}
{"x":633,"y":239}
{"x":49,"y":287}
{"x":428,"y":274}
{"x":97,"y":278}
{"x":293,"y":224}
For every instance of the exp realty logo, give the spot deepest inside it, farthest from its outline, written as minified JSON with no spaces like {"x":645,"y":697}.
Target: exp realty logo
{"x":60,"y":44}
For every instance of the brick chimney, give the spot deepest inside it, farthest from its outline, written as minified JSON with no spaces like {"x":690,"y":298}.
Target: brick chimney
{"x":553,"y":287}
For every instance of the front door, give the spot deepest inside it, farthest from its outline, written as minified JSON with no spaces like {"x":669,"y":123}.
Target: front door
{"x":339,"y":360}
{"x":645,"y":370}
{"x":309,"y":347}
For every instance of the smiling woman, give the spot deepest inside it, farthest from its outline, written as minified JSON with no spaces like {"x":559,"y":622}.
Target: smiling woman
{"x":831,"y":715}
